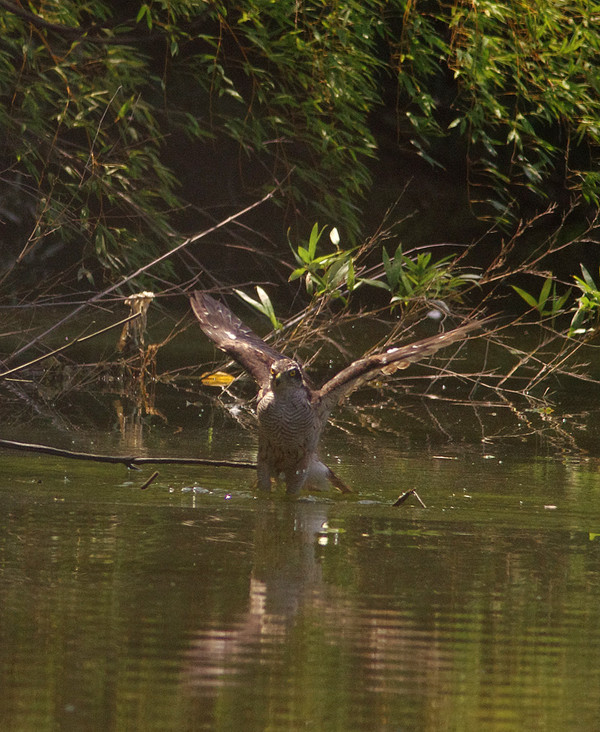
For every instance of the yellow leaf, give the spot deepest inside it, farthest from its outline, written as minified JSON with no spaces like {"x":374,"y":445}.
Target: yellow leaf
{"x":216,"y":378}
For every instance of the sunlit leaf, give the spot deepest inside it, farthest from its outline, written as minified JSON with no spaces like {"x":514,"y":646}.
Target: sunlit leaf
{"x":217,"y":379}
{"x":529,"y":299}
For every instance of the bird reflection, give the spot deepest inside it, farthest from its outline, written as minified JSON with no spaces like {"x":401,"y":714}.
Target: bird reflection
{"x":285,"y":578}
{"x":289,"y":598}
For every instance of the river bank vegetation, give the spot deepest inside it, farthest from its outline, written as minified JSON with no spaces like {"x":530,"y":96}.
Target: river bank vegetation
{"x":448,"y":153}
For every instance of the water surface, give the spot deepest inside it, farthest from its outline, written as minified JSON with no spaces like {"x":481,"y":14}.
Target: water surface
{"x":197,"y":605}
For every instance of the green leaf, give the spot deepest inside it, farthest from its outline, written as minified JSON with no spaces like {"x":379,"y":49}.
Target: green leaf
{"x":560,"y":302}
{"x":296,"y":274}
{"x":529,"y":299}
{"x":313,"y":240}
{"x":337,"y":273}
{"x":350,"y":277}
{"x":588,"y":278}
{"x":577,"y":321}
{"x":545,"y":292}
{"x":373,"y":283}
{"x":304,"y":254}
{"x":263,"y":305}
{"x":144,"y":11}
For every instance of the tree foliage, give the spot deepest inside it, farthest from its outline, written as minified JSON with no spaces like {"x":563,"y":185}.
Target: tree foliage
{"x":102,"y":100}
{"x":94,"y":92}
{"x":523,"y":96}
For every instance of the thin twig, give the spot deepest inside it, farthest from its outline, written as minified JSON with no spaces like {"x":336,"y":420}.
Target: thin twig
{"x":79,"y":339}
{"x":412,"y":492}
{"x":146,"y":267}
{"x":150,"y":480}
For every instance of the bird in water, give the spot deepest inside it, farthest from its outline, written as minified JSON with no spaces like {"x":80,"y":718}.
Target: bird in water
{"x":291,"y":415}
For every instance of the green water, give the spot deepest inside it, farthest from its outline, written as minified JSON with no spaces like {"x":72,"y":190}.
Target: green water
{"x":196,"y":605}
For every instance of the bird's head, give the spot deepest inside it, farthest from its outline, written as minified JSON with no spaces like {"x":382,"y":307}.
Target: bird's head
{"x":286,"y":373}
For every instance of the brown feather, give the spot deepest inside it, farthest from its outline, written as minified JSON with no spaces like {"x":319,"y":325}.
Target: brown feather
{"x":379,"y":364}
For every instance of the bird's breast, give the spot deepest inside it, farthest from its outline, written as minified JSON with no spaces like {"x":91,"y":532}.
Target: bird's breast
{"x":287,"y":417}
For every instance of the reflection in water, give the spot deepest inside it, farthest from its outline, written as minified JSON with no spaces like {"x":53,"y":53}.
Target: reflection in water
{"x":400,"y":625}
{"x":286,"y":577}
{"x":397,"y":652}
{"x":353,"y":645}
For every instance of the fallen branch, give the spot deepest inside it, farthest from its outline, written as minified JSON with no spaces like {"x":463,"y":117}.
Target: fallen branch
{"x":130,"y":461}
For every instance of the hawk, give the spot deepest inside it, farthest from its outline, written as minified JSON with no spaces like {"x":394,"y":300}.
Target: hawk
{"x":291,"y":415}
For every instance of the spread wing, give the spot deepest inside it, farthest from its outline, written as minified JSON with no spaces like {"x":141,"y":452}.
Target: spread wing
{"x":228,"y":332}
{"x":382,"y":364}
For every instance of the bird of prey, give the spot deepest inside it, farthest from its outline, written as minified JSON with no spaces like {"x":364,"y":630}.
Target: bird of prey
{"x":291,"y":415}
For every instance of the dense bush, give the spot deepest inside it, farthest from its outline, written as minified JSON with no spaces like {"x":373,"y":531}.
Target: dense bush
{"x":523,"y":94}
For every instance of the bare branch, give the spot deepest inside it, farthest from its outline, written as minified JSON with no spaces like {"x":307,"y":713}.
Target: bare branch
{"x":131,"y":461}
{"x":79,"y":339}
{"x":146,"y":267}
